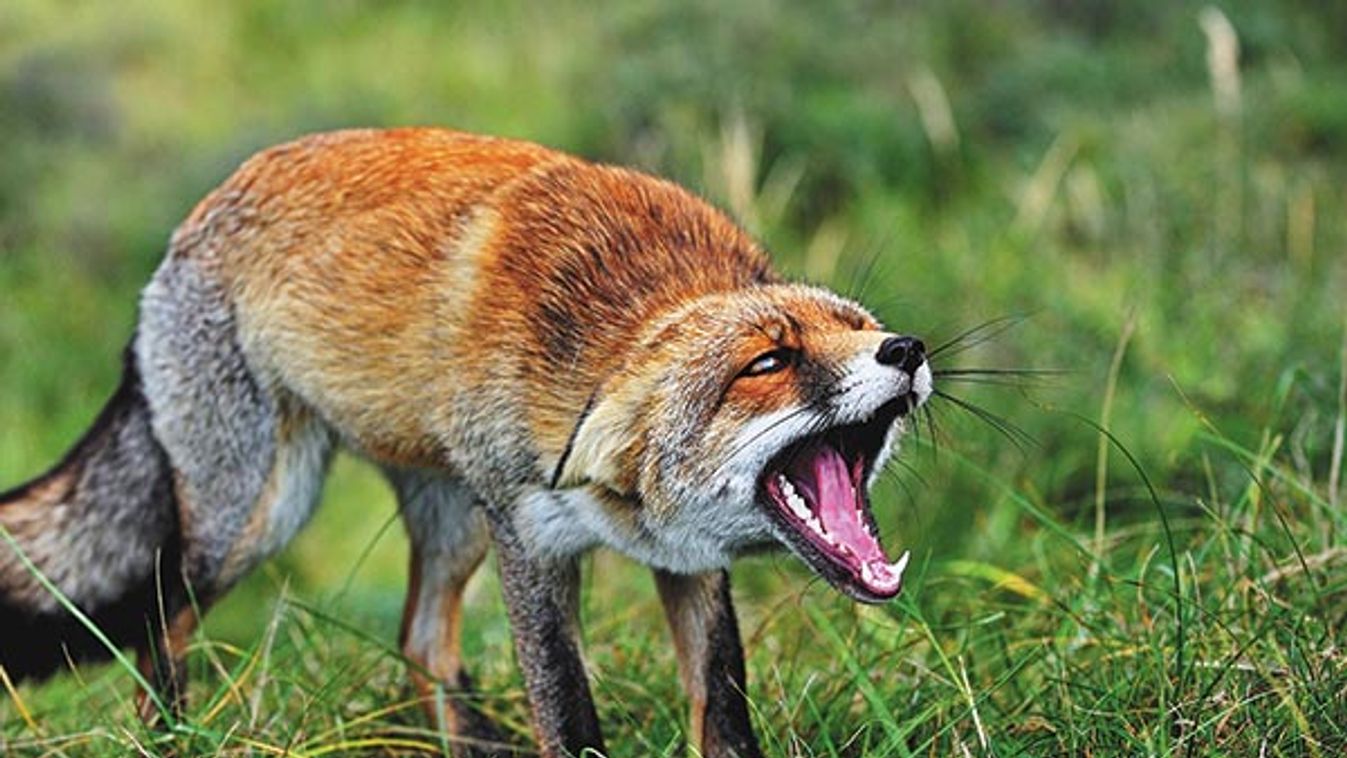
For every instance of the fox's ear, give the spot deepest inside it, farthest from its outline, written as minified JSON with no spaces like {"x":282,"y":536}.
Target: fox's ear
{"x":603,"y":447}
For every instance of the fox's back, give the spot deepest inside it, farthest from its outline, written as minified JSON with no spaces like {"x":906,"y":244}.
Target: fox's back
{"x":419,"y":287}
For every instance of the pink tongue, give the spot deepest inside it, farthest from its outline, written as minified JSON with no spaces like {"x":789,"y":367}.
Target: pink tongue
{"x":837,"y":499}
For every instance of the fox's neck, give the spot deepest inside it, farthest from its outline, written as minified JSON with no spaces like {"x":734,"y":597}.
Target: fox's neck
{"x":589,"y":338}
{"x":586,"y":287}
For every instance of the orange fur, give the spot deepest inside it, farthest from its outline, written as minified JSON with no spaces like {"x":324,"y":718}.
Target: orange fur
{"x":375,"y":272}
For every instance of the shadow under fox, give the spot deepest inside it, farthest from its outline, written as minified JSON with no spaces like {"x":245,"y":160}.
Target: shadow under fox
{"x":543,"y":354}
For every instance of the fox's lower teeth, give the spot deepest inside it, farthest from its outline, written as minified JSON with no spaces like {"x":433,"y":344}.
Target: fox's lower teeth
{"x":798,"y":506}
{"x":894,"y":572}
{"x":881,"y":576}
{"x":867,"y":573}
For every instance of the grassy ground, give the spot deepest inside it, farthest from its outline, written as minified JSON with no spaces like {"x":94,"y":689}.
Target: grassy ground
{"x":1154,"y":198}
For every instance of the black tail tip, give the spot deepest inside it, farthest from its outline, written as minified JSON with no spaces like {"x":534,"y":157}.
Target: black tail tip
{"x":29,"y":649}
{"x":36,"y":645}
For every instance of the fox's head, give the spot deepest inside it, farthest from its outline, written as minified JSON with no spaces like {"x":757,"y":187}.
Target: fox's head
{"x":749,"y":417}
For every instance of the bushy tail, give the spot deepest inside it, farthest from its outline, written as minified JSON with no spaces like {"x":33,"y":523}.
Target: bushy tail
{"x":102,"y":527}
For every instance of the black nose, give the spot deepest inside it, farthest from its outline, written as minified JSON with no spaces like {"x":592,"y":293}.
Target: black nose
{"x":907,"y":353}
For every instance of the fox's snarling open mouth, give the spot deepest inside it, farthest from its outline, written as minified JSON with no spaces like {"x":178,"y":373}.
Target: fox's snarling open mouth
{"x":816,"y":490}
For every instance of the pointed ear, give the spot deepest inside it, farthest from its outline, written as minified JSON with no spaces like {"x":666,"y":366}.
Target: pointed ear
{"x":602,"y":447}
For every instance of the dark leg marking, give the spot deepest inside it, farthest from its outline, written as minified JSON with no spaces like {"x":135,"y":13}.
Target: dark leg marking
{"x":710,"y":661}
{"x":543,"y":603}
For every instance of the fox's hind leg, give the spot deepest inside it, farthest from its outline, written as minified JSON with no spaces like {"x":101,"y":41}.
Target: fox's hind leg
{"x":449,"y":539}
{"x":248,"y":457}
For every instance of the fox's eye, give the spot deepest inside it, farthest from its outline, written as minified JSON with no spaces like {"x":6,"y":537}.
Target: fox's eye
{"x":769,"y":363}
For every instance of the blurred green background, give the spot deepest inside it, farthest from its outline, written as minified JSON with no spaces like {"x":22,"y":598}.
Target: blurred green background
{"x":1165,"y":175}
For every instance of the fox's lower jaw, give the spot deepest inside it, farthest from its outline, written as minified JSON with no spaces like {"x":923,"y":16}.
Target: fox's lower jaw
{"x":815,"y":491}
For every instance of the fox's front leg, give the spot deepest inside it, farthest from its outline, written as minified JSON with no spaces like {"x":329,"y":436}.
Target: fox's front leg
{"x":543,"y":597}
{"x":710,"y":661}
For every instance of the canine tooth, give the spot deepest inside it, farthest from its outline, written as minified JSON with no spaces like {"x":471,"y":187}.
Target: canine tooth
{"x":900,"y":565}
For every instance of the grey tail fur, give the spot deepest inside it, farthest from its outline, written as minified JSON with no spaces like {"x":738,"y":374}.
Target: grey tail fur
{"x":102,"y":526}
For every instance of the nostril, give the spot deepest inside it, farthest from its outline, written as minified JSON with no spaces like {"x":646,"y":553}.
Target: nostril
{"x":916,"y":355}
{"x":907,"y":353}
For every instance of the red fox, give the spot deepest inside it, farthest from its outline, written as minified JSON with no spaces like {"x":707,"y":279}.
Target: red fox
{"x":545,"y":355}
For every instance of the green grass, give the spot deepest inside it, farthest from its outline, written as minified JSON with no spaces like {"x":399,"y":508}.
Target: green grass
{"x":1177,"y":586}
